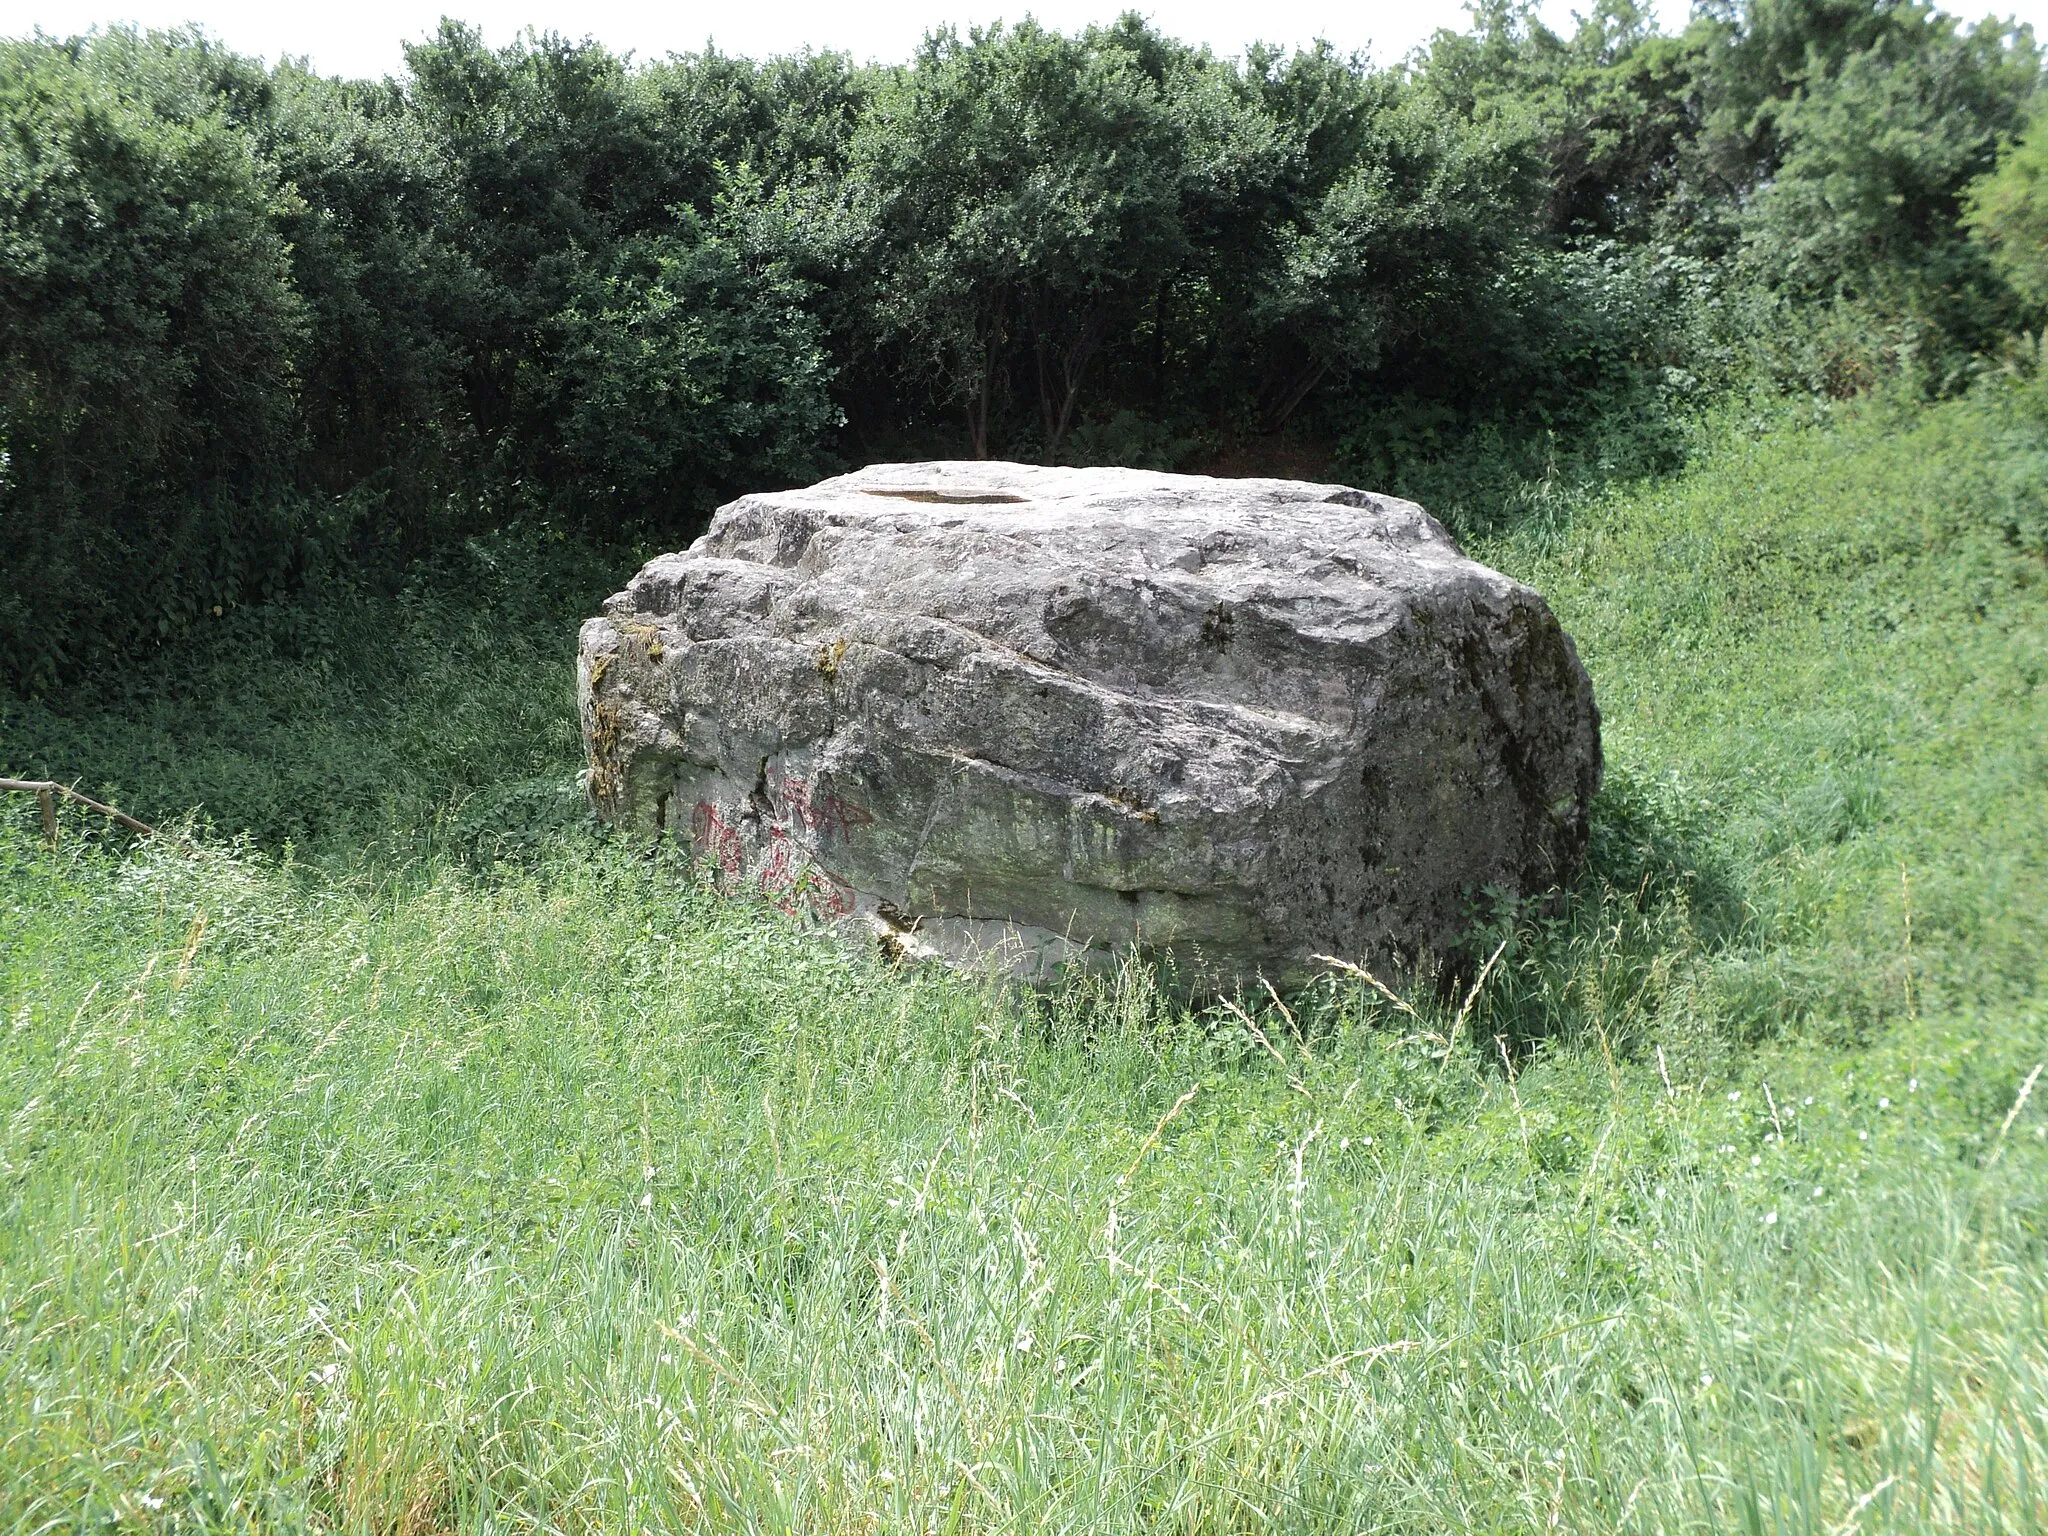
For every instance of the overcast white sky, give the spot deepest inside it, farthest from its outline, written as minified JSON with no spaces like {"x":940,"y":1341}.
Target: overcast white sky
{"x":362,"y":37}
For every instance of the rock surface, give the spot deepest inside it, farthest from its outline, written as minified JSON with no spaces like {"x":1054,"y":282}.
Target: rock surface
{"x":1015,"y":715}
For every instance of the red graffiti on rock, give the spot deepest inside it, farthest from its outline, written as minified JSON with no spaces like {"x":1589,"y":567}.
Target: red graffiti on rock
{"x":716,"y":840}
{"x":789,"y":874}
{"x":793,"y":880}
{"x":823,"y":816}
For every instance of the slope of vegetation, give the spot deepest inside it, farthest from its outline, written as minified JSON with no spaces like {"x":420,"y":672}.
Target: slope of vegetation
{"x":444,"y":1191}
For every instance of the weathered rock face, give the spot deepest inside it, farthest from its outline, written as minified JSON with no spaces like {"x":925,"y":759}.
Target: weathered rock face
{"x":1002,"y":713}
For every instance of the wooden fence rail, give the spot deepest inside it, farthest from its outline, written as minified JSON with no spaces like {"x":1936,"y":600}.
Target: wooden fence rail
{"x":46,"y":792}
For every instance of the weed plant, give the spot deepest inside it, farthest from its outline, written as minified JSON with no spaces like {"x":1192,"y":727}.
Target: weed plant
{"x":553,"y":1192}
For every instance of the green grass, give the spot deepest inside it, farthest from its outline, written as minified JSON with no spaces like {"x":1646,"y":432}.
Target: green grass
{"x":358,"y":714}
{"x":423,"y":1193}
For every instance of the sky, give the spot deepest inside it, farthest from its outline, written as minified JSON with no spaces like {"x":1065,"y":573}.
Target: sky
{"x":363,"y":37}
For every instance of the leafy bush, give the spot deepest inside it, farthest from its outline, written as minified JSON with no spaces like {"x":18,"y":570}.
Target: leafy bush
{"x":2007,"y":209}
{"x":259,"y":328}
{"x":148,"y":330}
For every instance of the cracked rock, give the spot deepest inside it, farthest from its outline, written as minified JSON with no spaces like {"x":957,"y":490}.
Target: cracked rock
{"x":1006,"y":715}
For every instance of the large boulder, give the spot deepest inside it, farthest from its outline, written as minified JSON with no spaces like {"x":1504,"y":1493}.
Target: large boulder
{"x":1015,"y":715}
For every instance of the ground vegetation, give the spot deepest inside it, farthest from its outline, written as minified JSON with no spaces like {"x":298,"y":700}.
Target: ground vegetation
{"x":386,"y":1146}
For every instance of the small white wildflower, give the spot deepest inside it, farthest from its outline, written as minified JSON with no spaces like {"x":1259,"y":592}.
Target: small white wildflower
{"x":1912,"y":1085}
{"x":667,"y":1359}
{"x":1660,"y":1191}
{"x":1343,"y":1143}
{"x":1884,"y":1103}
{"x":886,"y":1478}
{"x":647,"y":1172}
{"x":1024,"y":1341}
{"x":1771,"y":1220}
{"x":1735,"y":1097}
{"x":1706,"y":1378}
{"x":1809,"y":1099}
{"x":1863,"y":1135}
{"x":647,"y":1201}
{"x":1756,"y":1162}
{"x":1818,"y":1191}
{"x":1365,"y":1141}
{"x":149,"y":1501}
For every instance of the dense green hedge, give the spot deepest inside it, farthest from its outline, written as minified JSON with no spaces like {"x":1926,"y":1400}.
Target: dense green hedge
{"x":255,"y":323}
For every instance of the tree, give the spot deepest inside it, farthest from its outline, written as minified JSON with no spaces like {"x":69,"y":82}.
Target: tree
{"x":148,"y":336}
{"x":1874,"y":154}
{"x":2007,"y":210}
{"x":1420,"y":220}
{"x":684,"y":374}
{"x":1605,"y":115}
{"x":1025,"y":189}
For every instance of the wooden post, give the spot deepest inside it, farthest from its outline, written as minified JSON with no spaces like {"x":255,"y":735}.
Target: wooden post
{"x":46,"y":792}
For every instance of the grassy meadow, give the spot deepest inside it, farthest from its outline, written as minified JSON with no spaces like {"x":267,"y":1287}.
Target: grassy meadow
{"x":429,"y":1162}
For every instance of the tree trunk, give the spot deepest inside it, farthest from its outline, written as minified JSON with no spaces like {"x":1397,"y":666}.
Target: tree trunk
{"x":991,"y":355}
{"x":1290,"y":399}
{"x":977,"y":416}
{"x":1159,"y":314}
{"x":1060,"y":370}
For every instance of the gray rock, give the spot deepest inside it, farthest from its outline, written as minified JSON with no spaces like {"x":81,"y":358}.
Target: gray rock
{"x":1004,"y":714}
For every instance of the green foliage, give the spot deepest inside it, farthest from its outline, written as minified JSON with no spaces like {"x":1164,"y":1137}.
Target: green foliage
{"x":345,"y":717}
{"x":260,"y":328}
{"x":684,"y":372}
{"x":1025,"y":183}
{"x":1875,"y":154}
{"x":1608,"y":113}
{"x":627,"y":364}
{"x":1631,"y":354}
{"x":148,"y":326}
{"x":424,"y":1191}
{"x":2007,"y":209}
